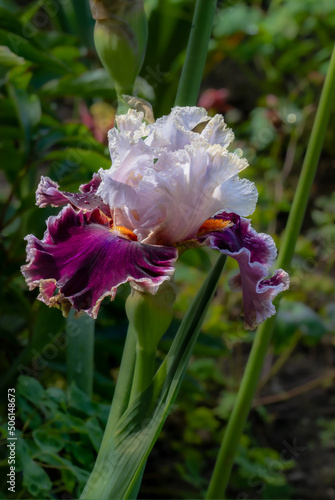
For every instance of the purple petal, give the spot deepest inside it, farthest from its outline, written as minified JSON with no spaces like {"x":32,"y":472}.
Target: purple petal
{"x":86,"y":260}
{"x":48,"y":194}
{"x":255,"y":253}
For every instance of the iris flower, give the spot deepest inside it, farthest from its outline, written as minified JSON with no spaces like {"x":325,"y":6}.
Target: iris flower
{"x":173,"y":185}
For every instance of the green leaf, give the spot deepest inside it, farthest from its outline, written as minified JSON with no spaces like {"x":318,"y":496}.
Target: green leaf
{"x":9,"y":6}
{"x":241,"y":18}
{"x":81,"y":402}
{"x":66,"y":53}
{"x":35,"y":479}
{"x":22,"y":48}
{"x":95,"y":432}
{"x":56,"y":395}
{"x":11,"y":159}
{"x":10,"y":132}
{"x":293,"y":316}
{"x":87,"y":85}
{"x":83,"y":452}
{"x":80,"y":474}
{"x":9,"y":22}
{"x":65,"y":421}
{"x":30,"y":389}
{"x":44,"y":345}
{"x":48,"y":440}
{"x":79,"y":160}
{"x":7,"y":109}
{"x":28,"y":109}
{"x":140,"y":425}
{"x":68,"y":134}
{"x":206,"y":369}
{"x":23,"y":453}
{"x":8,"y":58}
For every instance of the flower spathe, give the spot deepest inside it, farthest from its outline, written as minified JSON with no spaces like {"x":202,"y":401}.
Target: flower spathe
{"x":172,"y":184}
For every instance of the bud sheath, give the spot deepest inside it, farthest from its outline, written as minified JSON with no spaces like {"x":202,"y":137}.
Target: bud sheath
{"x":120,"y":36}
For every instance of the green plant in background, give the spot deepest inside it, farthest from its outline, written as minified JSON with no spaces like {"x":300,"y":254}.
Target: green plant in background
{"x":62,"y":153}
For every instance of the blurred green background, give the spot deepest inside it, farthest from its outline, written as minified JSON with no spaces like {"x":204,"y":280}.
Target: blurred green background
{"x":266,"y":64}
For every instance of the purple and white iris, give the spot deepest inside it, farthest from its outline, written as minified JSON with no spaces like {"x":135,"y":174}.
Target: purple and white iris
{"x":172,"y":185}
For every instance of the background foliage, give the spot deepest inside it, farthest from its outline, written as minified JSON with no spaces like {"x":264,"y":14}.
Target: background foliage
{"x":266,"y":65}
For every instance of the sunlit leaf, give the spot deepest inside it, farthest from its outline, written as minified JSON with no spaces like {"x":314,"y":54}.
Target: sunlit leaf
{"x":23,"y":48}
{"x":8,"y":58}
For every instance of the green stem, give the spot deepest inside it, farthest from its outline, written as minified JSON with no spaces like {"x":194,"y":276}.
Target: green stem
{"x":225,"y":460}
{"x":119,"y":405}
{"x":80,"y":351}
{"x":121,"y":394}
{"x":309,"y":168}
{"x":122,"y":106}
{"x":196,"y":53}
{"x":144,"y":370}
{"x":124,"y":380}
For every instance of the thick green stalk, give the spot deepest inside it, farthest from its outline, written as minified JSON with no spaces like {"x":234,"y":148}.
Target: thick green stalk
{"x":80,"y":351}
{"x":144,"y":370}
{"x":124,"y":382}
{"x":225,"y":460}
{"x":149,"y":316}
{"x":196,"y":53}
{"x":119,"y":406}
{"x":309,"y":167}
{"x":121,"y":396}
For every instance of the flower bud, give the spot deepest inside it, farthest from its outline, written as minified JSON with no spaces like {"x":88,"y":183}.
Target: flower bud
{"x":150,"y":315}
{"x":120,"y":35}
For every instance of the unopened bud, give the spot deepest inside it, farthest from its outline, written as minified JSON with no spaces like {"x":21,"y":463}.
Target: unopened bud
{"x":120,"y":36}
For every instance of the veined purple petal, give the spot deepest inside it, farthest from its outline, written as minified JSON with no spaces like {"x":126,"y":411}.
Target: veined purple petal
{"x":261,"y":246}
{"x":86,"y":261}
{"x":48,"y":194}
{"x":255,"y":253}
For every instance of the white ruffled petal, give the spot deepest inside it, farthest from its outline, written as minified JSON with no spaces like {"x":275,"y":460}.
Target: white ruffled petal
{"x":131,"y":129}
{"x":117,"y":194}
{"x":237,"y":195}
{"x":133,"y":124}
{"x":185,"y":183}
{"x":216,"y":132}
{"x":175,"y":130}
{"x":167,"y":179}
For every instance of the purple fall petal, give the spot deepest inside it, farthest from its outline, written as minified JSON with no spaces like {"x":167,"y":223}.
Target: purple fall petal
{"x":86,"y":260}
{"x":48,"y":194}
{"x":255,"y":253}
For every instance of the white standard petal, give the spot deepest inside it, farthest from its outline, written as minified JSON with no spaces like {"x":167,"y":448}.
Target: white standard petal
{"x":175,"y":130}
{"x":165,"y":185}
{"x":186,"y":183}
{"x":237,"y":195}
{"x":133,"y":124}
{"x":134,"y":165}
{"x":117,"y":194}
{"x":217,"y":132}
{"x":131,"y":130}
{"x":117,"y":186}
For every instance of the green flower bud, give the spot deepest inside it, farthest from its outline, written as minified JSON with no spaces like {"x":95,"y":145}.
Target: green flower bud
{"x":120,"y":35}
{"x":151,"y":315}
